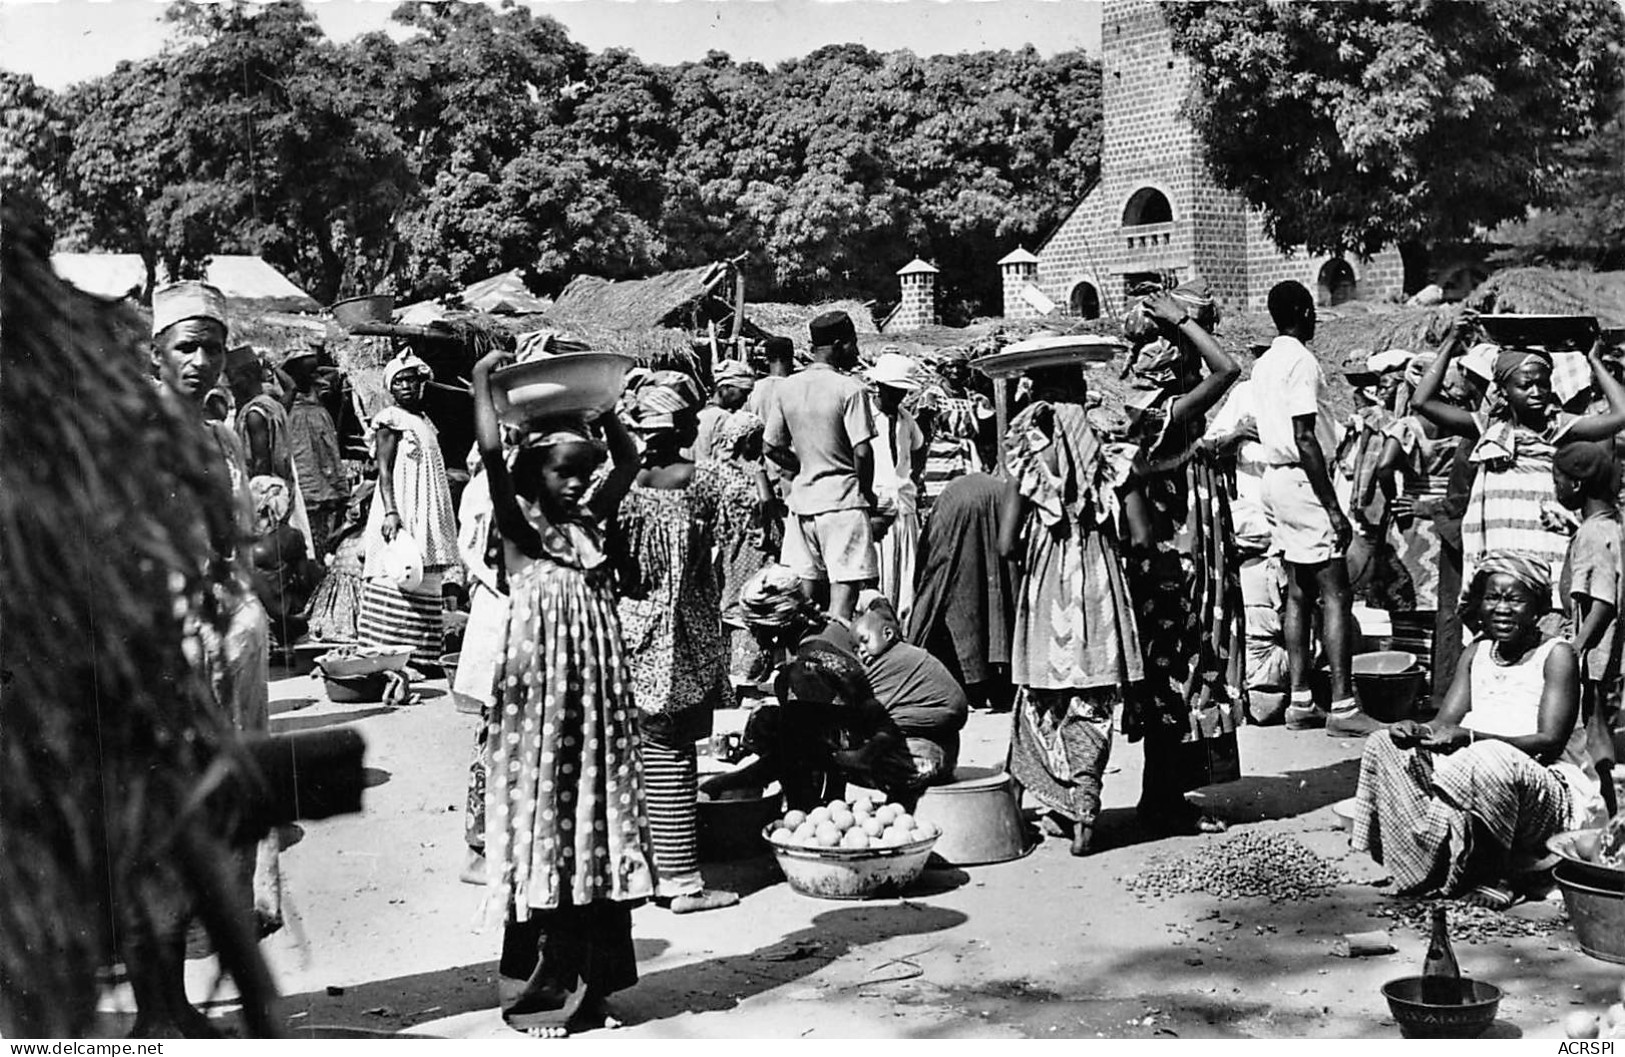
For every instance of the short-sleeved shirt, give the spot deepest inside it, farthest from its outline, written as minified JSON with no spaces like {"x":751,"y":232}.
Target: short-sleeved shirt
{"x":922,"y":696}
{"x":1595,"y":569}
{"x":760,"y":402}
{"x":1289,"y":383}
{"x":821,"y":415}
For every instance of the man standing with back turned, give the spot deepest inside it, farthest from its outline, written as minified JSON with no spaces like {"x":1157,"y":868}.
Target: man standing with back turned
{"x":819,"y":429}
{"x":1309,"y":527}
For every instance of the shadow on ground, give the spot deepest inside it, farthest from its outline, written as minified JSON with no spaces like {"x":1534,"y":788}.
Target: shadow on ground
{"x":720,"y":984}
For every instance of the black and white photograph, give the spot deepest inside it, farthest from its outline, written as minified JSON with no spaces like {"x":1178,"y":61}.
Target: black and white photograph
{"x":811,"y":519}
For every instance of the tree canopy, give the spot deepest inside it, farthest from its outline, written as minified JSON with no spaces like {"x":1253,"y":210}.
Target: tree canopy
{"x":1359,"y":125}
{"x":486,"y":140}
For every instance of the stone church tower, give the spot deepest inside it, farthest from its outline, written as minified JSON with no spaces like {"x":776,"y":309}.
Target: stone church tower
{"x":1155,"y":209}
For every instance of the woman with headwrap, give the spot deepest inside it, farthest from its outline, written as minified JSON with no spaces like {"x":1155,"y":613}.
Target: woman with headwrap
{"x":1422,"y":456}
{"x":566,"y":837}
{"x":413,"y":496}
{"x":1075,"y":645}
{"x":671,"y":617}
{"x":1182,"y":566}
{"x":749,"y":540}
{"x":1456,"y":804}
{"x":959,"y":424}
{"x":1512,"y":505}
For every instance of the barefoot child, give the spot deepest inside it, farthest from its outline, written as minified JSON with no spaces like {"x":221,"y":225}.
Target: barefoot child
{"x":567,"y":838}
{"x":1585,"y":479}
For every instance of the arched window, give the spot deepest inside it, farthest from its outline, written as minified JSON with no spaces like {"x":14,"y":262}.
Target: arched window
{"x":1085,"y":301}
{"x":1147,"y":206}
{"x":1336,"y":282}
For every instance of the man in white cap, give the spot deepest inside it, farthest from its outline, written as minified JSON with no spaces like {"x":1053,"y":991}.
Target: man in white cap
{"x":735,"y":380}
{"x":189,"y":334}
{"x":899,"y":463}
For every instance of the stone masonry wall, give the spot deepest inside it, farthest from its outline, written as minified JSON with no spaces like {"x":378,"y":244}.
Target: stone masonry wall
{"x":1147,"y":143}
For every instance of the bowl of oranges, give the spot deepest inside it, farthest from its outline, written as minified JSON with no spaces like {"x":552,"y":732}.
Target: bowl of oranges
{"x":851,"y":849}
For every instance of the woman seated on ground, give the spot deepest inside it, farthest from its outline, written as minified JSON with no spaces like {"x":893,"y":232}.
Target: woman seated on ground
{"x":1453,"y":805}
{"x":826,"y":730}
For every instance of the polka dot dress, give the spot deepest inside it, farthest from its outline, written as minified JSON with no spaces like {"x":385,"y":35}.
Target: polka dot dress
{"x":565,"y":812}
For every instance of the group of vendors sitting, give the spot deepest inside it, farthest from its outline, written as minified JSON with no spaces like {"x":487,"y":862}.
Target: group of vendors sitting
{"x":1461,"y":804}
{"x":854,"y":704}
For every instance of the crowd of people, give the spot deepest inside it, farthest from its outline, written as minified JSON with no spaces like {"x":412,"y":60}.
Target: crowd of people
{"x":850,"y":549}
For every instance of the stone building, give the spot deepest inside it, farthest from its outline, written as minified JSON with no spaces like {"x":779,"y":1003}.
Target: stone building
{"x":1155,"y":210}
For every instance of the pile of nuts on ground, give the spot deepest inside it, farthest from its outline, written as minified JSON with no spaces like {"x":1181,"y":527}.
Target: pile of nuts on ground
{"x":1468,"y":923}
{"x":1249,"y":865}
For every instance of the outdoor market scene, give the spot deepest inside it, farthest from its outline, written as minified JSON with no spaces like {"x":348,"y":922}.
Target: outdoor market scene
{"x":1109,"y":530}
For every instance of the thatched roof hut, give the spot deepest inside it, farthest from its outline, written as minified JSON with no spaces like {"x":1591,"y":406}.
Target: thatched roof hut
{"x":659,"y":320}
{"x":790,"y":321}
{"x":1554,"y":291}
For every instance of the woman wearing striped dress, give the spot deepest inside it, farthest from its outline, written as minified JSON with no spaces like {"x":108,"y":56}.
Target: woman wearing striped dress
{"x":671,"y":618}
{"x":1513,"y":506}
{"x":413,"y":496}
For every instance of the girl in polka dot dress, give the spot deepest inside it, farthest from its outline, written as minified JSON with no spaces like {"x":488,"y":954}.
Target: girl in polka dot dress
{"x":567,"y":837}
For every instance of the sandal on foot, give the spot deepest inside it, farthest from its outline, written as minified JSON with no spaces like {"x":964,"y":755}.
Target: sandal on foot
{"x":705,"y":899}
{"x":1491,"y":897}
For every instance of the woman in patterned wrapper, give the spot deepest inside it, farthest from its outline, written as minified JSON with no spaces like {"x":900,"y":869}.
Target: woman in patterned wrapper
{"x":1075,"y":646}
{"x":671,"y":614}
{"x":1181,"y":564}
{"x":1453,"y":805}
{"x":413,"y":496}
{"x":567,"y":839}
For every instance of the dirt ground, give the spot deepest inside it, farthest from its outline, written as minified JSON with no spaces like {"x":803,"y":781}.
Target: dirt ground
{"x":383,"y":937}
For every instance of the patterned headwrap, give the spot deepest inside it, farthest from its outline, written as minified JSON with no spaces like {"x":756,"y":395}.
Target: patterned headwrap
{"x":1511,"y":359}
{"x":407,"y":360}
{"x":1533,"y":572}
{"x":667,"y":394}
{"x":772,"y":599}
{"x":737,"y":431}
{"x":1193,"y":296}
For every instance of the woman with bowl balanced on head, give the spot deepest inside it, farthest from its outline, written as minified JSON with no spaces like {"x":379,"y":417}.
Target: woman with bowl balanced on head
{"x":1452,"y":805}
{"x":1514,"y":437}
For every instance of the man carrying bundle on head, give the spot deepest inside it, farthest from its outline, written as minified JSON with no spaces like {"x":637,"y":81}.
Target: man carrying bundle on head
{"x":821,"y":430}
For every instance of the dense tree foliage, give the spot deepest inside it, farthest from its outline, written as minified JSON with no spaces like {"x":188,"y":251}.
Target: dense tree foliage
{"x":484,"y":139}
{"x":1364,"y":124}
{"x":1586,"y":226}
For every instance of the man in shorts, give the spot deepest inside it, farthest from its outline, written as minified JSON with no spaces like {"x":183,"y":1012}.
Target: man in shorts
{"x":819,"y":430}
{"x":1308,"y":526}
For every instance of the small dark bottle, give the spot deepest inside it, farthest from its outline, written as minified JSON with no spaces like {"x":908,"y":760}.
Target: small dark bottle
{"x":1441,"y":976}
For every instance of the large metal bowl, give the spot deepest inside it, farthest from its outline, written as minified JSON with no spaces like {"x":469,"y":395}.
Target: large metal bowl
{"x":567,"y":385}
{"x":1578,"y":848}
{"x":364,"y":661}
{"x":1467,"y":1018}
{"x":1053,"y":351}
{"x":1597,"y":912}
{"x":850,"y":873}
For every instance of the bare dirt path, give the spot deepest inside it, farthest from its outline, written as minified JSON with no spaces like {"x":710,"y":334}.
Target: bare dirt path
{"x":382,"y":935}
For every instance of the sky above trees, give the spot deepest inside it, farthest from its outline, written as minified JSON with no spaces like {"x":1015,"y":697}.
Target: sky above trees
{"x":66,"y":41}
